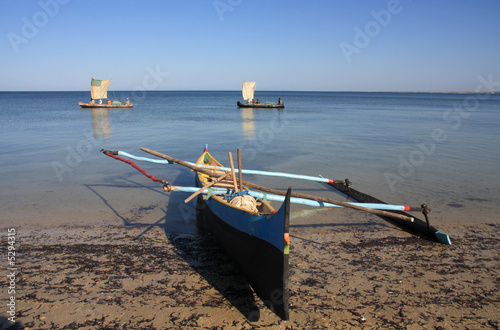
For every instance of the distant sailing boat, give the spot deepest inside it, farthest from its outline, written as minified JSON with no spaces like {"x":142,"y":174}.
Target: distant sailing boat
{"x":99,"y":91}
{"x":248,"y":91}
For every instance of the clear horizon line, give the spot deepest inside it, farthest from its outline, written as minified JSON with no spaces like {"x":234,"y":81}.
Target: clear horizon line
{"x":237,"y":90}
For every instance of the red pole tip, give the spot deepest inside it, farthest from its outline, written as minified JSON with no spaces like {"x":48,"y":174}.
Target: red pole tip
{"x":407,"y":208}
{"x":330,"y":180}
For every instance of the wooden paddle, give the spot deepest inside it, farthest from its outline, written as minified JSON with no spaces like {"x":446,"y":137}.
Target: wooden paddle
{"x":240,"y":174}
{"x":233,"y":174}
{"x":282,"y":193}
{"x":208,"y":185}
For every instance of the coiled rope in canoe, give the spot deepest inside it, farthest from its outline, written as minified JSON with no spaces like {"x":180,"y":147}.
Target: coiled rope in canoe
{"x":246,"y":202}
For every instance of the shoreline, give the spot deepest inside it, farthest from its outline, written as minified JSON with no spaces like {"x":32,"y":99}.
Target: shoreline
{"x":140,"y":276}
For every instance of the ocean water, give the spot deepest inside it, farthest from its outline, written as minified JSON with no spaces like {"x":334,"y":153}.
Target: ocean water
{"x":408,"y":148}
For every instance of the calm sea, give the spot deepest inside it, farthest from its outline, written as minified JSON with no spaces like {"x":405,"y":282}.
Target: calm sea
{"x":412,"y":148}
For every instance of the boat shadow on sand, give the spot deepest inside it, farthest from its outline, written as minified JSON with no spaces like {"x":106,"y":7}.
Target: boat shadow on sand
{"x":197,"y":247}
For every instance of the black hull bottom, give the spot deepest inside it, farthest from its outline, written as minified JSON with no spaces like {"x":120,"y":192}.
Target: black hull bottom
{"x":263,"y":265}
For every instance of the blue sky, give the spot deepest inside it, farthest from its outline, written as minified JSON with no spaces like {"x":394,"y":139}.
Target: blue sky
{"x":324,"y":45}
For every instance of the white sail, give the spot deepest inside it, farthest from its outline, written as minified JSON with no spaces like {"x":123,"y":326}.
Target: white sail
{"x":99,"y":89}
{"x":248,"y":90}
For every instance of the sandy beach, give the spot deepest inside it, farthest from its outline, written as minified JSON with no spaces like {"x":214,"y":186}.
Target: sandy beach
{"x":399,"y":100}
{"x":342,"y":276}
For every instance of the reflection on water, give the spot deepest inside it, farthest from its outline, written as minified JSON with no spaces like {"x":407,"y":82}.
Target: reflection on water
{"x":378,"y":140}
{"x":247,"y":124}
{"x":101,"y":123}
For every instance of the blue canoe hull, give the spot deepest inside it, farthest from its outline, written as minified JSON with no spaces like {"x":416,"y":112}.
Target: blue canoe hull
{"x":257,"y":244}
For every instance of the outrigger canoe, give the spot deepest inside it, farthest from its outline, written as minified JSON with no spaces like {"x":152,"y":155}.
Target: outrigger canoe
{"x":248,"y":91}
{"x":99,"y":90}
{"x":365,"y":203}
{"x":96,"y":105}
{"x":261,"y":105}
{"x":258,"y":240}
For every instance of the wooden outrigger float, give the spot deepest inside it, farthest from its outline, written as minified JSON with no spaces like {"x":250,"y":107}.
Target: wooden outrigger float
{"x":417,"y":226}
{"x":253,"y":233}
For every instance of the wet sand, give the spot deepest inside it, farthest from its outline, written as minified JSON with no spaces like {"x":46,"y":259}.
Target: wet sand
{"x":354,"y":275}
